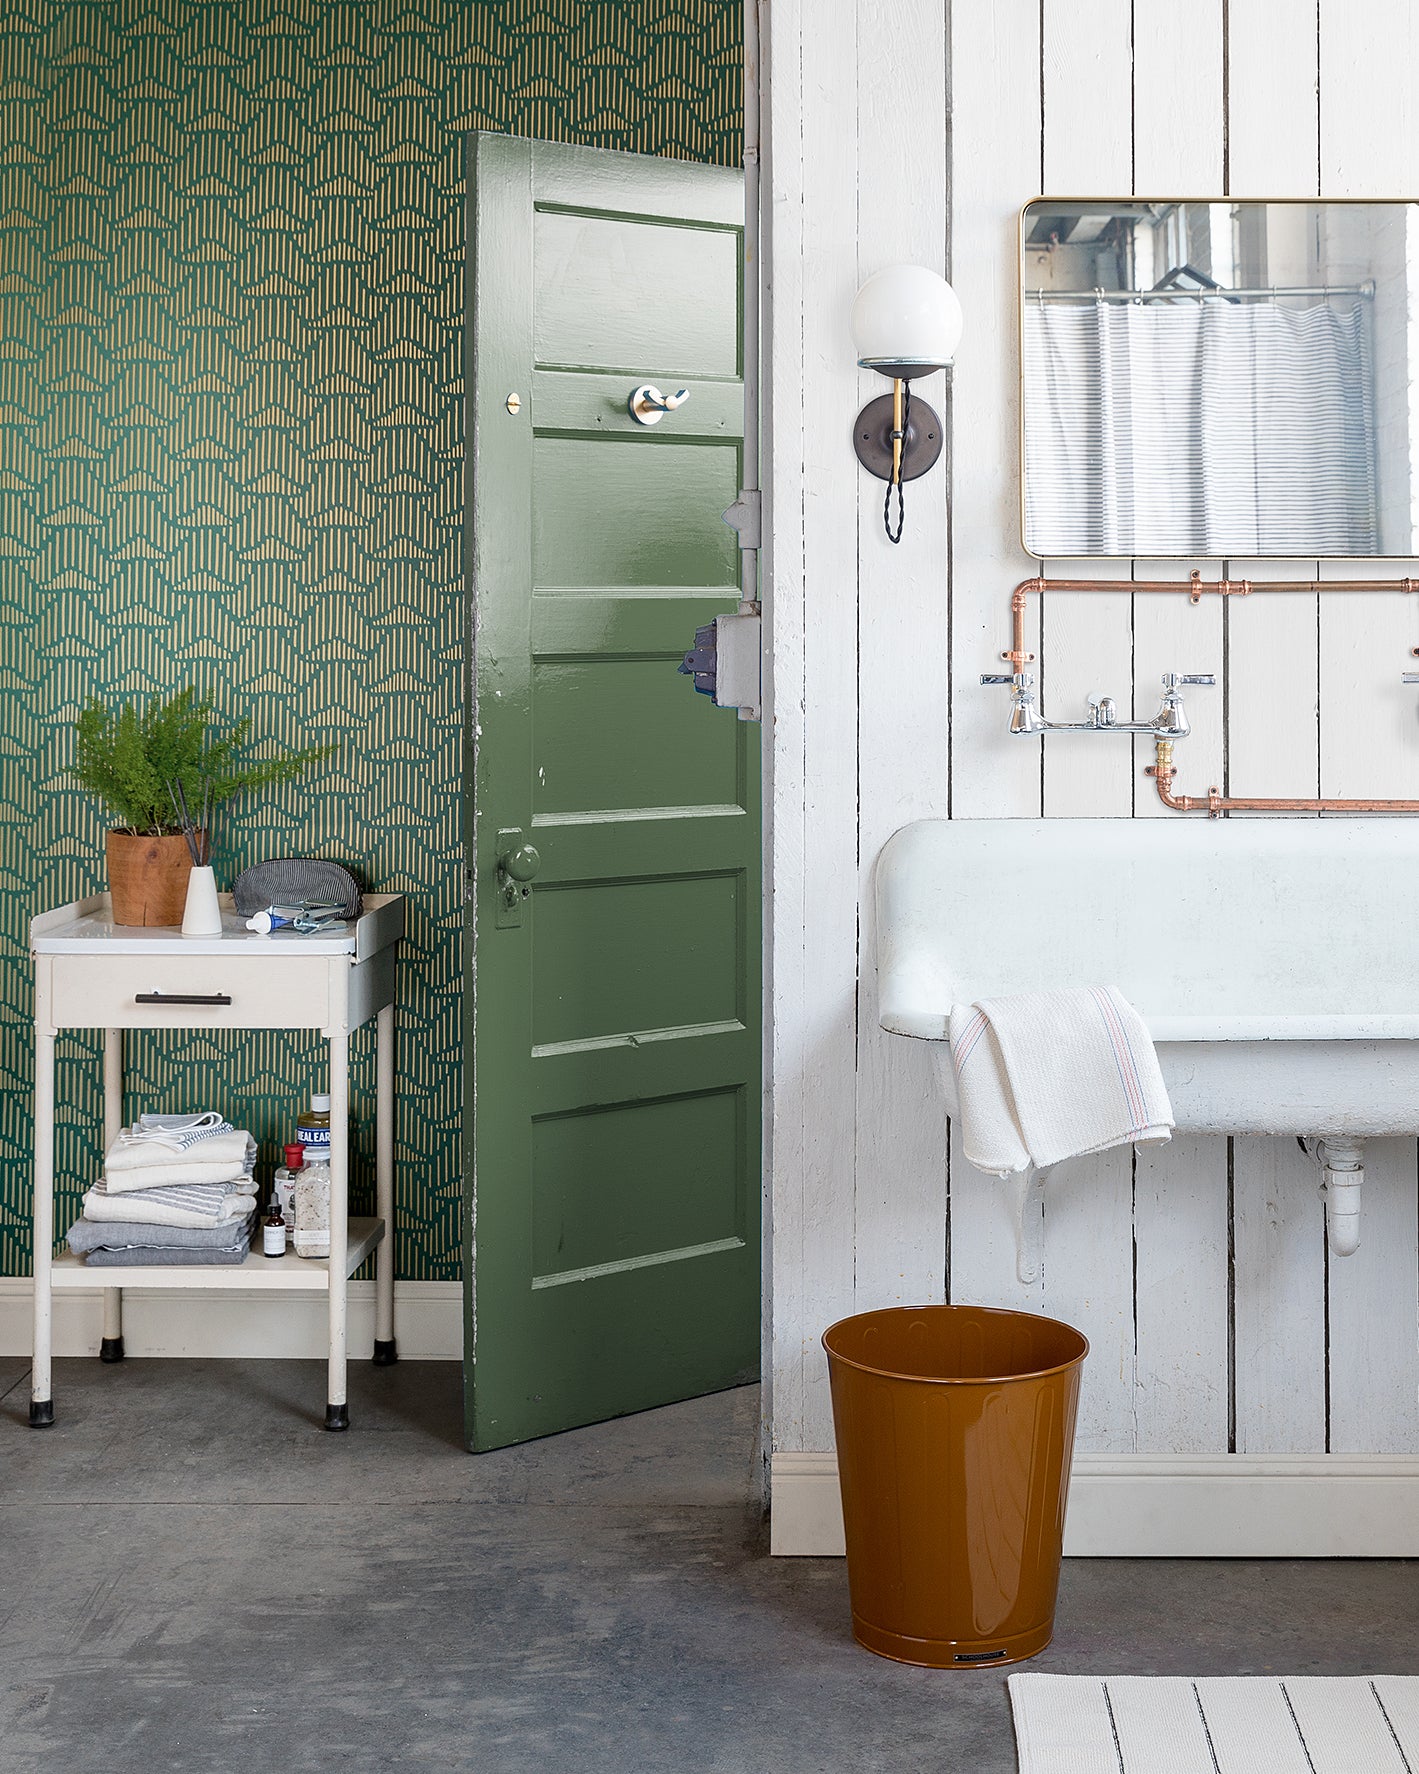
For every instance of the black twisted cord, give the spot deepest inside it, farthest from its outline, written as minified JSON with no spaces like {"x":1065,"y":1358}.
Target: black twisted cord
{"x":901,"y":473}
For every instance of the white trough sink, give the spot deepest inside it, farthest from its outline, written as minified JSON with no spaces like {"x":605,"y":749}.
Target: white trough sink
{"x":1275,"y":961}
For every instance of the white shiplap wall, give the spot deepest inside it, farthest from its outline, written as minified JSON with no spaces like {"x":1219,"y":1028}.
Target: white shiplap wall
{"x":914,"y":132}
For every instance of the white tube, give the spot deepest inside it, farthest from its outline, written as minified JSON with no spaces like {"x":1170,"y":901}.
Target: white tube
{"x":1344,"y":1161}
{"x":1342,"y":1210}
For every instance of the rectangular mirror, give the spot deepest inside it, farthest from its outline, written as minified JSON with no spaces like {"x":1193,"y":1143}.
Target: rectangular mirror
{"x":1220,"y":378}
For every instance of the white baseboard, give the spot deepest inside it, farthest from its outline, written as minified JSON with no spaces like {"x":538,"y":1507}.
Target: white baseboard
{"x":260,"y":1326}
{"x":1176,"y":1506}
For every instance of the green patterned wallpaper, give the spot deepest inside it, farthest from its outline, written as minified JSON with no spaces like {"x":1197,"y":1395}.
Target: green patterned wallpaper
{"x":230,"y":310}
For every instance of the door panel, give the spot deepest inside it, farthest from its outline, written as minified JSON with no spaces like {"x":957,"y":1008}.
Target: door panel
{"x":627,"y":511}
{"x":621,"y":957}
{"x":616,"y":698}
{"x":586,"y":267}
{"x":653,"y":1215}
{"x":614,"y":1102}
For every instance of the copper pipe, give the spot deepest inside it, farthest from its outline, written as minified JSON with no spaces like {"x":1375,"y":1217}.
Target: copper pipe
{"x":1214,"y":803}
{"x":1195,"y":587}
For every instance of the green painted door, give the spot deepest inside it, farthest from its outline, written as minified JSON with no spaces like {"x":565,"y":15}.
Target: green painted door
{"x":613,"y":1102}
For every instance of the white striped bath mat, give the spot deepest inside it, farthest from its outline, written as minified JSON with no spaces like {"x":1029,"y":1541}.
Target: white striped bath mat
{"x":1074,"y":1724}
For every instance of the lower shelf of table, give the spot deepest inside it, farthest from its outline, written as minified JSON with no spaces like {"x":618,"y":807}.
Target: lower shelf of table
{"x":290,"y":1272}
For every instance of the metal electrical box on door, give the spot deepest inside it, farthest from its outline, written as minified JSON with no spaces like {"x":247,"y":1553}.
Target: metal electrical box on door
{"x":725,"y":663}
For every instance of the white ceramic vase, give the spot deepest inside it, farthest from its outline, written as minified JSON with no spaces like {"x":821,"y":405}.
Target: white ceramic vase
{"x":203,"y":916}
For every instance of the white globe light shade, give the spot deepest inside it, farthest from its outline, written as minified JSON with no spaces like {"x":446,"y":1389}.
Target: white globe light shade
{"x":906,"y":321}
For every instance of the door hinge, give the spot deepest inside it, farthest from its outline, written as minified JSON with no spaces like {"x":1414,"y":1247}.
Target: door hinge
{"x":746,"y":517}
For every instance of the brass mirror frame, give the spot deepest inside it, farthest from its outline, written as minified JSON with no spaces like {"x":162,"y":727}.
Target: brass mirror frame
{"x":1116,"y":199}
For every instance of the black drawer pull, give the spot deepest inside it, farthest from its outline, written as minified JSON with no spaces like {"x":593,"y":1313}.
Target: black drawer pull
{"x":182,"y":998}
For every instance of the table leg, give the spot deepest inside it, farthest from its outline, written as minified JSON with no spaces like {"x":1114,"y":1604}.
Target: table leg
{"x":385,"y":1351}
{"x":41,"y":1382}
{"x":111,"y":1348}
{"x":337,"y":1410}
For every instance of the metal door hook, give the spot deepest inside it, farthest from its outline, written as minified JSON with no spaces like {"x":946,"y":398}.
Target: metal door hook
{"x":647,"y":405}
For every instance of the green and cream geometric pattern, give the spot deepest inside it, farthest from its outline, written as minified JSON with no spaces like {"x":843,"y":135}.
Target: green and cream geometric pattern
{"x":231,"y":287}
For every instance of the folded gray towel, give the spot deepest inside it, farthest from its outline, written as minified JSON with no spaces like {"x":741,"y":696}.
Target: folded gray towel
{"x":86,"y":1235}
{"x":163,"y":1257}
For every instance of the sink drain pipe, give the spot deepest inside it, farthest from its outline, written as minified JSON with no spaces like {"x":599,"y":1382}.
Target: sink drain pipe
{"x":1343,"y":1163}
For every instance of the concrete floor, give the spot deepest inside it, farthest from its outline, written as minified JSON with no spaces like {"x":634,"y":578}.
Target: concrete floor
{"x":194,"y":1577}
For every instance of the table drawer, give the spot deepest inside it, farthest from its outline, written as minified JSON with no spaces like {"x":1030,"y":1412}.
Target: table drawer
{"x":246,"y":992}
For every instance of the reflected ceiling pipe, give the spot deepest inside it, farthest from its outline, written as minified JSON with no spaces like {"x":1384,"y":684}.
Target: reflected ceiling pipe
{"x":906,"y":322}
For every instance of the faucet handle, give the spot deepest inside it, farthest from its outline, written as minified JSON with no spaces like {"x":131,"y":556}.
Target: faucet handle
{"x":1020,"y":680}
{"x":1409,"y":677}
{"x":1172,"y":679}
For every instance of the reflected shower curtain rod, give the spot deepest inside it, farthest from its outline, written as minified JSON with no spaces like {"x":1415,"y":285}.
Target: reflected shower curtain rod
{"x":1167,"y":295}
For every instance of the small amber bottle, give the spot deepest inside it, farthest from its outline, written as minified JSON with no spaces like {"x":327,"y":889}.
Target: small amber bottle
{"x":273,"y":1231}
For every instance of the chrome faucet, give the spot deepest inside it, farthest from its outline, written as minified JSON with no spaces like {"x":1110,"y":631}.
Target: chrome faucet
{"x":1170,"y":722}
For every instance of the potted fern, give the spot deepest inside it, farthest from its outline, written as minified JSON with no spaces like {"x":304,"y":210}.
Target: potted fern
{"x":144,"y":764}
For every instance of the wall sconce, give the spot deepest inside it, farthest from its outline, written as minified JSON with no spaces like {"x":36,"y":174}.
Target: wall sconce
{"x":906,"y":322}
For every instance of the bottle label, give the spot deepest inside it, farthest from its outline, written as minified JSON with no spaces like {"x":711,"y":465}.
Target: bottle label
{"x":273,"y":1240}
{"x":311,"y":1137}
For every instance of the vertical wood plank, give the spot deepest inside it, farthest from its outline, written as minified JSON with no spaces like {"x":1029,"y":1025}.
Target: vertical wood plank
{"x":1273,"y":738}
{"x":1273,"y":707}
{"x":1278,"y":1234}
{"x":830,"y":476}
{"x":1180,"y":1205}
{"x":995,"y":167}
{"x":1181,"y":1230}
{"x":1369,"y":735}
{"x":816,"y":921}
{"x":1369,"y":114}
{"x":1087,"y":638}
{"x":1089,"y":1283}
{"x":904,"y":642}
{"x":1087,"y":645}
{"x":783,"y":559}
{"x":1374,"y":1307}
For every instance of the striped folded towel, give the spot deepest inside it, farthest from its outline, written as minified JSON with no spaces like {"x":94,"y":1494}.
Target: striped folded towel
{"x":1045,"y":1076}
{"x":177,"y":1132}
{"x":181,"y":1204}
{"x":215,"y":1150}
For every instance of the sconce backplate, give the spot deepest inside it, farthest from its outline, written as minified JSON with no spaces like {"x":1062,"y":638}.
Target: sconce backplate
{"x":872,"y":438}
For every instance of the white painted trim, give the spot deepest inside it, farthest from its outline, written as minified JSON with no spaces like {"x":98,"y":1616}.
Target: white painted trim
{"x":1176,"y":1506}
{"x":256,"y":1326}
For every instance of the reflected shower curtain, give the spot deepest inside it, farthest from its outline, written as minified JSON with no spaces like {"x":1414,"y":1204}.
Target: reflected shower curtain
{"x":1199,"y":428}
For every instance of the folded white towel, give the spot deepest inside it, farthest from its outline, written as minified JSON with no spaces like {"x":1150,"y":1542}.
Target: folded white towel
{"x":176,"y":1131}
{"x":170,"y":1176}
{"x":1044,"y":1076}
{"x":200,"y":1204}
{"x":235,"y":1146}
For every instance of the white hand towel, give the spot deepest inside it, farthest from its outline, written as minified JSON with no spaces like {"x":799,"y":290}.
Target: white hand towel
{"x":170,"y":1176}
{"x":235,"y":1146}
{"x":1045,"y":1076}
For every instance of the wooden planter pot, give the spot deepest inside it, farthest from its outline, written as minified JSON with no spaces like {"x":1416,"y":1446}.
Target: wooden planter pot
{"x":147,"y":877}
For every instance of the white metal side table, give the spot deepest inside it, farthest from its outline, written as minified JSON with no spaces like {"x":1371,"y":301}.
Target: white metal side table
{"x":91,"y":973}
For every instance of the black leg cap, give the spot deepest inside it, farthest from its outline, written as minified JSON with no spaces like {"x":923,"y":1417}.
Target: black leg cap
{"x":41,"y":1413}
{"x":337,"y":1416}
{"x":111,"y":1349}
{"x":385,"y":1354}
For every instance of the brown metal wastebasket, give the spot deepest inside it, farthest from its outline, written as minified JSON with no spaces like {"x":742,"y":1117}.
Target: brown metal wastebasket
{"x":955,"y":1430}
